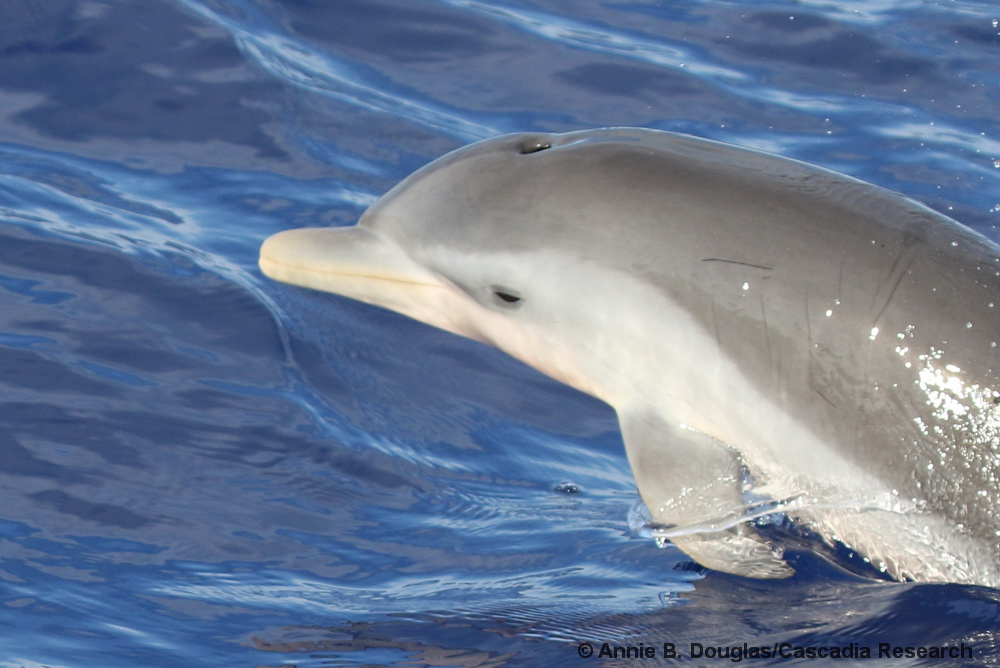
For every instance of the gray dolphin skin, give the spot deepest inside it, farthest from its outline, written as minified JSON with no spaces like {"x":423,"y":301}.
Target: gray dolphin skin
{"x":773,"y":336}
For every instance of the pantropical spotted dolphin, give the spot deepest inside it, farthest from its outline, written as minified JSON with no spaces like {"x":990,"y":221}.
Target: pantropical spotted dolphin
{"x":763,"y":328}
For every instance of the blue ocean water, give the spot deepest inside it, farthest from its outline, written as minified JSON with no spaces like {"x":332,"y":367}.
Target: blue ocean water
{"x":199,"y":467}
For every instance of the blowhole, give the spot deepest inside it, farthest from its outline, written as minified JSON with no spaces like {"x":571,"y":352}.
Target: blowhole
{"x":530,"y":146}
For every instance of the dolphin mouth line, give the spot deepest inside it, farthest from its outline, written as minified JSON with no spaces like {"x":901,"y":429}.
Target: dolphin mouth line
{"x":328,"y":272}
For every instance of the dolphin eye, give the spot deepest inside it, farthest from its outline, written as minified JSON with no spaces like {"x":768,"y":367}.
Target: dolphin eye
{"x":505,"y":297}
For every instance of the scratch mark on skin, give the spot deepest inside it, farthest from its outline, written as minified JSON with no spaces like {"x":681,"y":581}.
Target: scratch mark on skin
{"x":899,"y":279}
{"x":767,"y":336}
{"x":715,"y":324}
{"x":742,"y":264}
{"x":826,"y":398}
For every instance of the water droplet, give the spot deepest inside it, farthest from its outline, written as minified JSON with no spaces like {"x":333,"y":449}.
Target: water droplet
{"x":567,"y":488}
{"x":669,"y":598}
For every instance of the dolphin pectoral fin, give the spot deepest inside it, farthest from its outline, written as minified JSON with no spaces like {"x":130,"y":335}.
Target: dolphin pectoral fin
{"x":732,"y":552}
{"x":692,"y":485}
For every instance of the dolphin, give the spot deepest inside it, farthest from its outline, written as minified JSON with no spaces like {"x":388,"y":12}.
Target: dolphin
{"x":773,"y":336}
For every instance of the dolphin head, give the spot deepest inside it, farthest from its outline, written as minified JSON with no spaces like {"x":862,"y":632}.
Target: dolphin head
{"x":487,"y":242}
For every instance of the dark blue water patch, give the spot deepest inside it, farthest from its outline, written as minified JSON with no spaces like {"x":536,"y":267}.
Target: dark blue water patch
{"x":37,"y":171}
{"x":37,"y":372}
{"x":809,"y":41}
{"x":175,"y":102}
{"x":633,"y":81}
{"x":110,"y":630}
{"x":105,"y":358}
{"x":115,"y":374}
{"x":24,"y":342}
{"x":395,"y":31}
{"x":104,"y":514}
{"x":28,"y":288}
{"x":96,"y":544}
